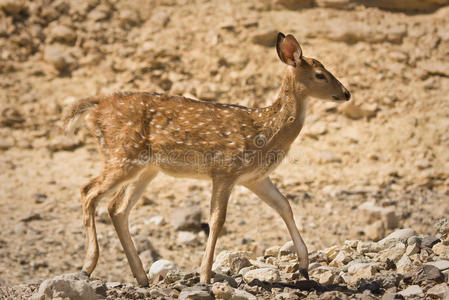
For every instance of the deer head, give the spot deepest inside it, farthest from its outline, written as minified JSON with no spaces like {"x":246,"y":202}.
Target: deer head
{"x":310,"y":76}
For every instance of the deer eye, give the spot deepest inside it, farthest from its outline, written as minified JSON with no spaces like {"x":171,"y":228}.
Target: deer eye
{"x":320,"y":76}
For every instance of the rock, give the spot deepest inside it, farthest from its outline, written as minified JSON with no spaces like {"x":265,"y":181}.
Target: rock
{"x":12,"y":7}
{"x":264,"y":274}
{"x":186,"y":238}
{"x":159,"y":269}
{"x":195,"y":293}
{"x":287,"y":296}
{"x":375,"y":231}
{"x":441,"y":249}
{"x":412,"y":291}
{"x":440,"y":264}
{"x":186,"y":218}
{"x":274,"y":251}
{"x":414,"y":240}
{"x":342,"y":258}
{"x":368,"y":247}
{"x":439,"y":291}
{"x":100,"y":13}
{"x":99,"y":287}
{"x":393,"y":253}
{"x":231,"y":262}
{"x":63,"y":34}
{"x":59,"y":58}
{"x":289,"y":267}
{"x":295,"y":4}
{"x":156,"y":220}
{"x":401,"y":235}
{"x":404,"y":265}
{"x":129,"y":17}
{"x":329,"y":277}
{"x":425,"y":273}
{"x":265,"y":38}
{"x":287,"y":248}
{"x":363,"y":271}
{"x":71,"y":286}
{"x":442,"y":226}
{"x":222,"y":290}
{"x":429,"y":241}
{"x":224,"y":278}
{"x":412,"y":249}
{"x":243,"y":295}
{"x":372,"y":213}
{"x":246,"y":269}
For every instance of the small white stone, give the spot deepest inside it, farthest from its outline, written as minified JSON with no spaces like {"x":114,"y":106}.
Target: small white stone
{"x":160,"y":268}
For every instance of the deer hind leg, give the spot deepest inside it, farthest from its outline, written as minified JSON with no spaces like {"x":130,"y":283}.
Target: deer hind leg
{"x":119,"y":209}
{"x":221,"y":190}
{"x":268,"y":192}
{"x":91,"y":194}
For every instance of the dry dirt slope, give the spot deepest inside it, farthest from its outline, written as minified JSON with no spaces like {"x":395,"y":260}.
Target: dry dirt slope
{"x":389,"y":145}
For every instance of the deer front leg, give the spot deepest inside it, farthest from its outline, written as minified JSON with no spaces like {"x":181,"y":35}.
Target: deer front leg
{"x":221,"y":190}
{"x":268,"y":192}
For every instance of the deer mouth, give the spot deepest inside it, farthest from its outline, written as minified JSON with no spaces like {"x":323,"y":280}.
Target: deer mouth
{"x":336,"y":98}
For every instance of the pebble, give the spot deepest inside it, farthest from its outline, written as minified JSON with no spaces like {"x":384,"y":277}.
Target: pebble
{"x":404,"y":264}
{"x":287,"y":248}
{"x":263,"y":274}
{"x":231,"y":262}
{"x":439,"y":291}
{"x":412,"y":249}
{"x":412,"y":291}
{"x":186,"y":219}
{"x":195,"y":293}
{"x":156,"y":220}
{"x":274,"y":251}
{"x":160,"y":269}
{"x":186,"y":238}
{"x":222,"y":290}
{"x":394,"y":253}
{"x":401,"y":235}
{"x":441,"y":249}
{"x":72,"y":286}
{"x":440,"y":264}
{"x":429,"y":242}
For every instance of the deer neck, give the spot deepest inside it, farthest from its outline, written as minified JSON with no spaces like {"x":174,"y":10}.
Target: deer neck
{"x":288,"y":111}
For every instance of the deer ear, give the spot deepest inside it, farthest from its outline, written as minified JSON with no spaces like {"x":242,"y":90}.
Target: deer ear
{"x":288,"y":49}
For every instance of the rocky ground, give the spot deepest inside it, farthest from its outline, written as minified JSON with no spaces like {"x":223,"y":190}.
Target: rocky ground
{"x":359,"y":171}
{"x":400,"y":266}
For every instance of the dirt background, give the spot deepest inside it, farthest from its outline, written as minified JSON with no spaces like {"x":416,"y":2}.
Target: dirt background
{"x":388,"y":145}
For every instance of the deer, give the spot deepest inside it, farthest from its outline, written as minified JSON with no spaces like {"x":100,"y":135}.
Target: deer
{"x":140,"y":134}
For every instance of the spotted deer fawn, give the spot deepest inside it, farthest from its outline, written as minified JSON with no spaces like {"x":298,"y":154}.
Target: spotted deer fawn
{"x":140,"y":134}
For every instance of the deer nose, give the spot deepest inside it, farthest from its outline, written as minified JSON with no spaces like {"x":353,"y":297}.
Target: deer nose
{"x":347,"y":95}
